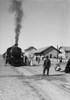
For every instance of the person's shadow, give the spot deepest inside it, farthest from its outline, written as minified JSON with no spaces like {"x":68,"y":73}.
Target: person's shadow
{"x":39,"y":77}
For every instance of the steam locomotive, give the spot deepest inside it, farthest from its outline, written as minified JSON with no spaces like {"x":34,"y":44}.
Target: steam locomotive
{"x":14,"y":56}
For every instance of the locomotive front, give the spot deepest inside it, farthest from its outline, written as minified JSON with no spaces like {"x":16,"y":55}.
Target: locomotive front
{"x":15,"y":56}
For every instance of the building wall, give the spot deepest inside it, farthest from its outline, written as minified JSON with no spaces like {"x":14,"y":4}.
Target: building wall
{"x":30,"y":54}
{"x":63,"y":54}
{"x":51,"y":52}
{"x":67,"y":54}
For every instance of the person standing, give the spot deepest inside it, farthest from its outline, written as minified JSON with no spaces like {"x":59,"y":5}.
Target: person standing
{"x":46,"y":65}
{"x":60,"y":60}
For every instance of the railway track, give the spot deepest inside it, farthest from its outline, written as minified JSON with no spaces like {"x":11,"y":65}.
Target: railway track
{"x":41,"y":86}
{"x":35,"y":71}
{"x":40,"y":93}
{"x":29,"y":80}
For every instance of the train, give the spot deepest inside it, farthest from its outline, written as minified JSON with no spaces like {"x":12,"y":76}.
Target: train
{"x":14,"y":56}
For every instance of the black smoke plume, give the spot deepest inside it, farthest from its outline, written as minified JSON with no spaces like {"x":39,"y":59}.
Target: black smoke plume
{"x":16,"y":8}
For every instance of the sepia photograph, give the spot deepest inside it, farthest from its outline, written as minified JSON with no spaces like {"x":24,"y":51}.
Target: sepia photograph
{"x":34,"y":49}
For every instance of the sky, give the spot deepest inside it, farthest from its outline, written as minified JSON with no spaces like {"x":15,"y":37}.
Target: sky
{"x":44,"y":23}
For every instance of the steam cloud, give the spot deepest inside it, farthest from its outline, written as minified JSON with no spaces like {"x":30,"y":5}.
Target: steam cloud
{"x":16,"y":8}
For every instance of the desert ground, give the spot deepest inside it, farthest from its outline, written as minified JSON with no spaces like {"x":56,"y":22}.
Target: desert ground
{"x":28,"y":83}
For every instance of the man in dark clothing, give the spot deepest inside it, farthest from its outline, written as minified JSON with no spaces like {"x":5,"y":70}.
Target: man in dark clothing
{"x":46,"y":65}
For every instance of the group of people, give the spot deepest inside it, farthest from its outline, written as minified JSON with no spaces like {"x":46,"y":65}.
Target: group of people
{"x":47,"y":65}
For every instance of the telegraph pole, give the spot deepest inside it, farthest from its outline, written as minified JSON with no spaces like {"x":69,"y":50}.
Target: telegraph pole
{"x":57,"y":53}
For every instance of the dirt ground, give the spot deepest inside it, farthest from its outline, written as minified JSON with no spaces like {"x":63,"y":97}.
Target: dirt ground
{"x":27,"y":83}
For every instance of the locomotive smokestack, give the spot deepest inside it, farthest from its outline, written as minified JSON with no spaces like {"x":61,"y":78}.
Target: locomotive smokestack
{"x":16,"y":45}
{"x":17,"y":9}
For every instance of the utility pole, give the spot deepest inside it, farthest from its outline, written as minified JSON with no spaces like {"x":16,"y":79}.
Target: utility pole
{"x":57,"y":53}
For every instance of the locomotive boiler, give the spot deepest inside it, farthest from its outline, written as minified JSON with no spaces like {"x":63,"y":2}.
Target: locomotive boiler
{"x":15,"y":56}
